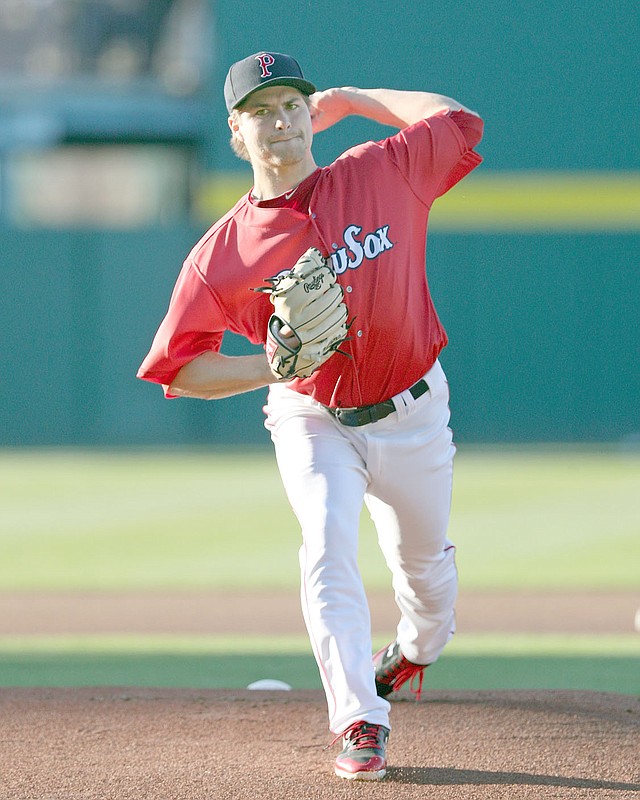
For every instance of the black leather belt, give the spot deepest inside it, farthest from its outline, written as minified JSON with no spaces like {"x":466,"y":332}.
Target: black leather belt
{"x":363,"y":415}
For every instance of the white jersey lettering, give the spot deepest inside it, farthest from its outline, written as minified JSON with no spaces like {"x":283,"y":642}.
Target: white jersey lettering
{"x":357,"y":249}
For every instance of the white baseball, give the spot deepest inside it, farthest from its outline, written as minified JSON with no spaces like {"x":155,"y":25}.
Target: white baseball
{"x":269,"y":684}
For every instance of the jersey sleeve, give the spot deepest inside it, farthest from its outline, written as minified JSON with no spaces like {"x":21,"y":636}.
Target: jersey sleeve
{"x":193,"y":324}
{"x":472,"y":126}
{"x":435,"y":153}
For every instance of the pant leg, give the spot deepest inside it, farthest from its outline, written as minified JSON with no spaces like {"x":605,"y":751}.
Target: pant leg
{"x":409,"y":498}
{"x":325,"y":478}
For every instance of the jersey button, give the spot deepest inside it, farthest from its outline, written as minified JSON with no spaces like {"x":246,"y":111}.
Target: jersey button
{"x":349,"y":289}
{"x":359,"y":333}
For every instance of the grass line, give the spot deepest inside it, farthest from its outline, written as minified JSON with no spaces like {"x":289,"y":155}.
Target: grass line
{"x":461,"y":645}
{"x":601,"y":664}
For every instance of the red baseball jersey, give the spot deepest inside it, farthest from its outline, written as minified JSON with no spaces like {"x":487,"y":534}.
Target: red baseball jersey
{"x":368,"y":211}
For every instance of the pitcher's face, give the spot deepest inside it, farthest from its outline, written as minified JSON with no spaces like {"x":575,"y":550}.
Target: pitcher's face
{"x":275,"y":126}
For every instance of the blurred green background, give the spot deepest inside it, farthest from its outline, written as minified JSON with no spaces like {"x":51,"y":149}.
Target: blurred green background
{"x":114,"y":160}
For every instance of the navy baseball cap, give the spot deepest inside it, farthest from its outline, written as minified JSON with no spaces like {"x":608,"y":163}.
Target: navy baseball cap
{"x":260,"y":70}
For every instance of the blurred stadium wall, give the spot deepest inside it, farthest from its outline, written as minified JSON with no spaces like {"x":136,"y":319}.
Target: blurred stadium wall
{"x":114,"y":159}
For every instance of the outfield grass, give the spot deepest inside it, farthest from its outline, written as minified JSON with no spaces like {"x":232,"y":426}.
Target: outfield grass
{"x":538,"y":518}
{"x":603,"y":663}
{"x":565,"y":519}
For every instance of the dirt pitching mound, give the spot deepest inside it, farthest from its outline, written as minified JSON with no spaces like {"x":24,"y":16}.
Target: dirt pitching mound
{"x":175,"y":744}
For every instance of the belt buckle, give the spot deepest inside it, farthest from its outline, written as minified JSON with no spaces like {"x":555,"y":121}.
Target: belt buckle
{"x":349,"y":417}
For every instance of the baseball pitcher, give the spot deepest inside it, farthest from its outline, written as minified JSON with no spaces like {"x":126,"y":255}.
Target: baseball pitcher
{"x":325,"y":266}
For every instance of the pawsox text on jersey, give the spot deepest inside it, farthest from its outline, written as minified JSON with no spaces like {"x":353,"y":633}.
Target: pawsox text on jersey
{"x":358,"y":247}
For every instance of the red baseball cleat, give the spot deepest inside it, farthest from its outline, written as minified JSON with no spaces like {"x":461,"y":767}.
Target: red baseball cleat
{"x":363,"y":757}
{"x":393,"y":670}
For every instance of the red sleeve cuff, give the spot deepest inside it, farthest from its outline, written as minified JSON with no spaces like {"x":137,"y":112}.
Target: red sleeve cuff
{"x":470,"y":126}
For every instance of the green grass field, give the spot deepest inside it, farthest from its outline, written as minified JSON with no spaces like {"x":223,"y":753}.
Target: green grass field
{"x":603,"y":663}
{"x":89,"y":519}
{"x":539,"y":518}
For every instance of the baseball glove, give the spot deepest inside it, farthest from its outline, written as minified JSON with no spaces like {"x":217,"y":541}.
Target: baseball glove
{"x":309,"y":320}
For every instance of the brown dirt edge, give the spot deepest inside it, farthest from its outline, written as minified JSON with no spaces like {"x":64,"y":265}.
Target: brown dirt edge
{"x":138,"y":743}
{"x":278,"y":612}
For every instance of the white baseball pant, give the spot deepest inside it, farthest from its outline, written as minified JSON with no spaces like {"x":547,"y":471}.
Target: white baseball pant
{"x":402,"y":468}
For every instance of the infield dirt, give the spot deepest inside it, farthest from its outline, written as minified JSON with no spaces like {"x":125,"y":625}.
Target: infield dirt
{"x":115,"y":743}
